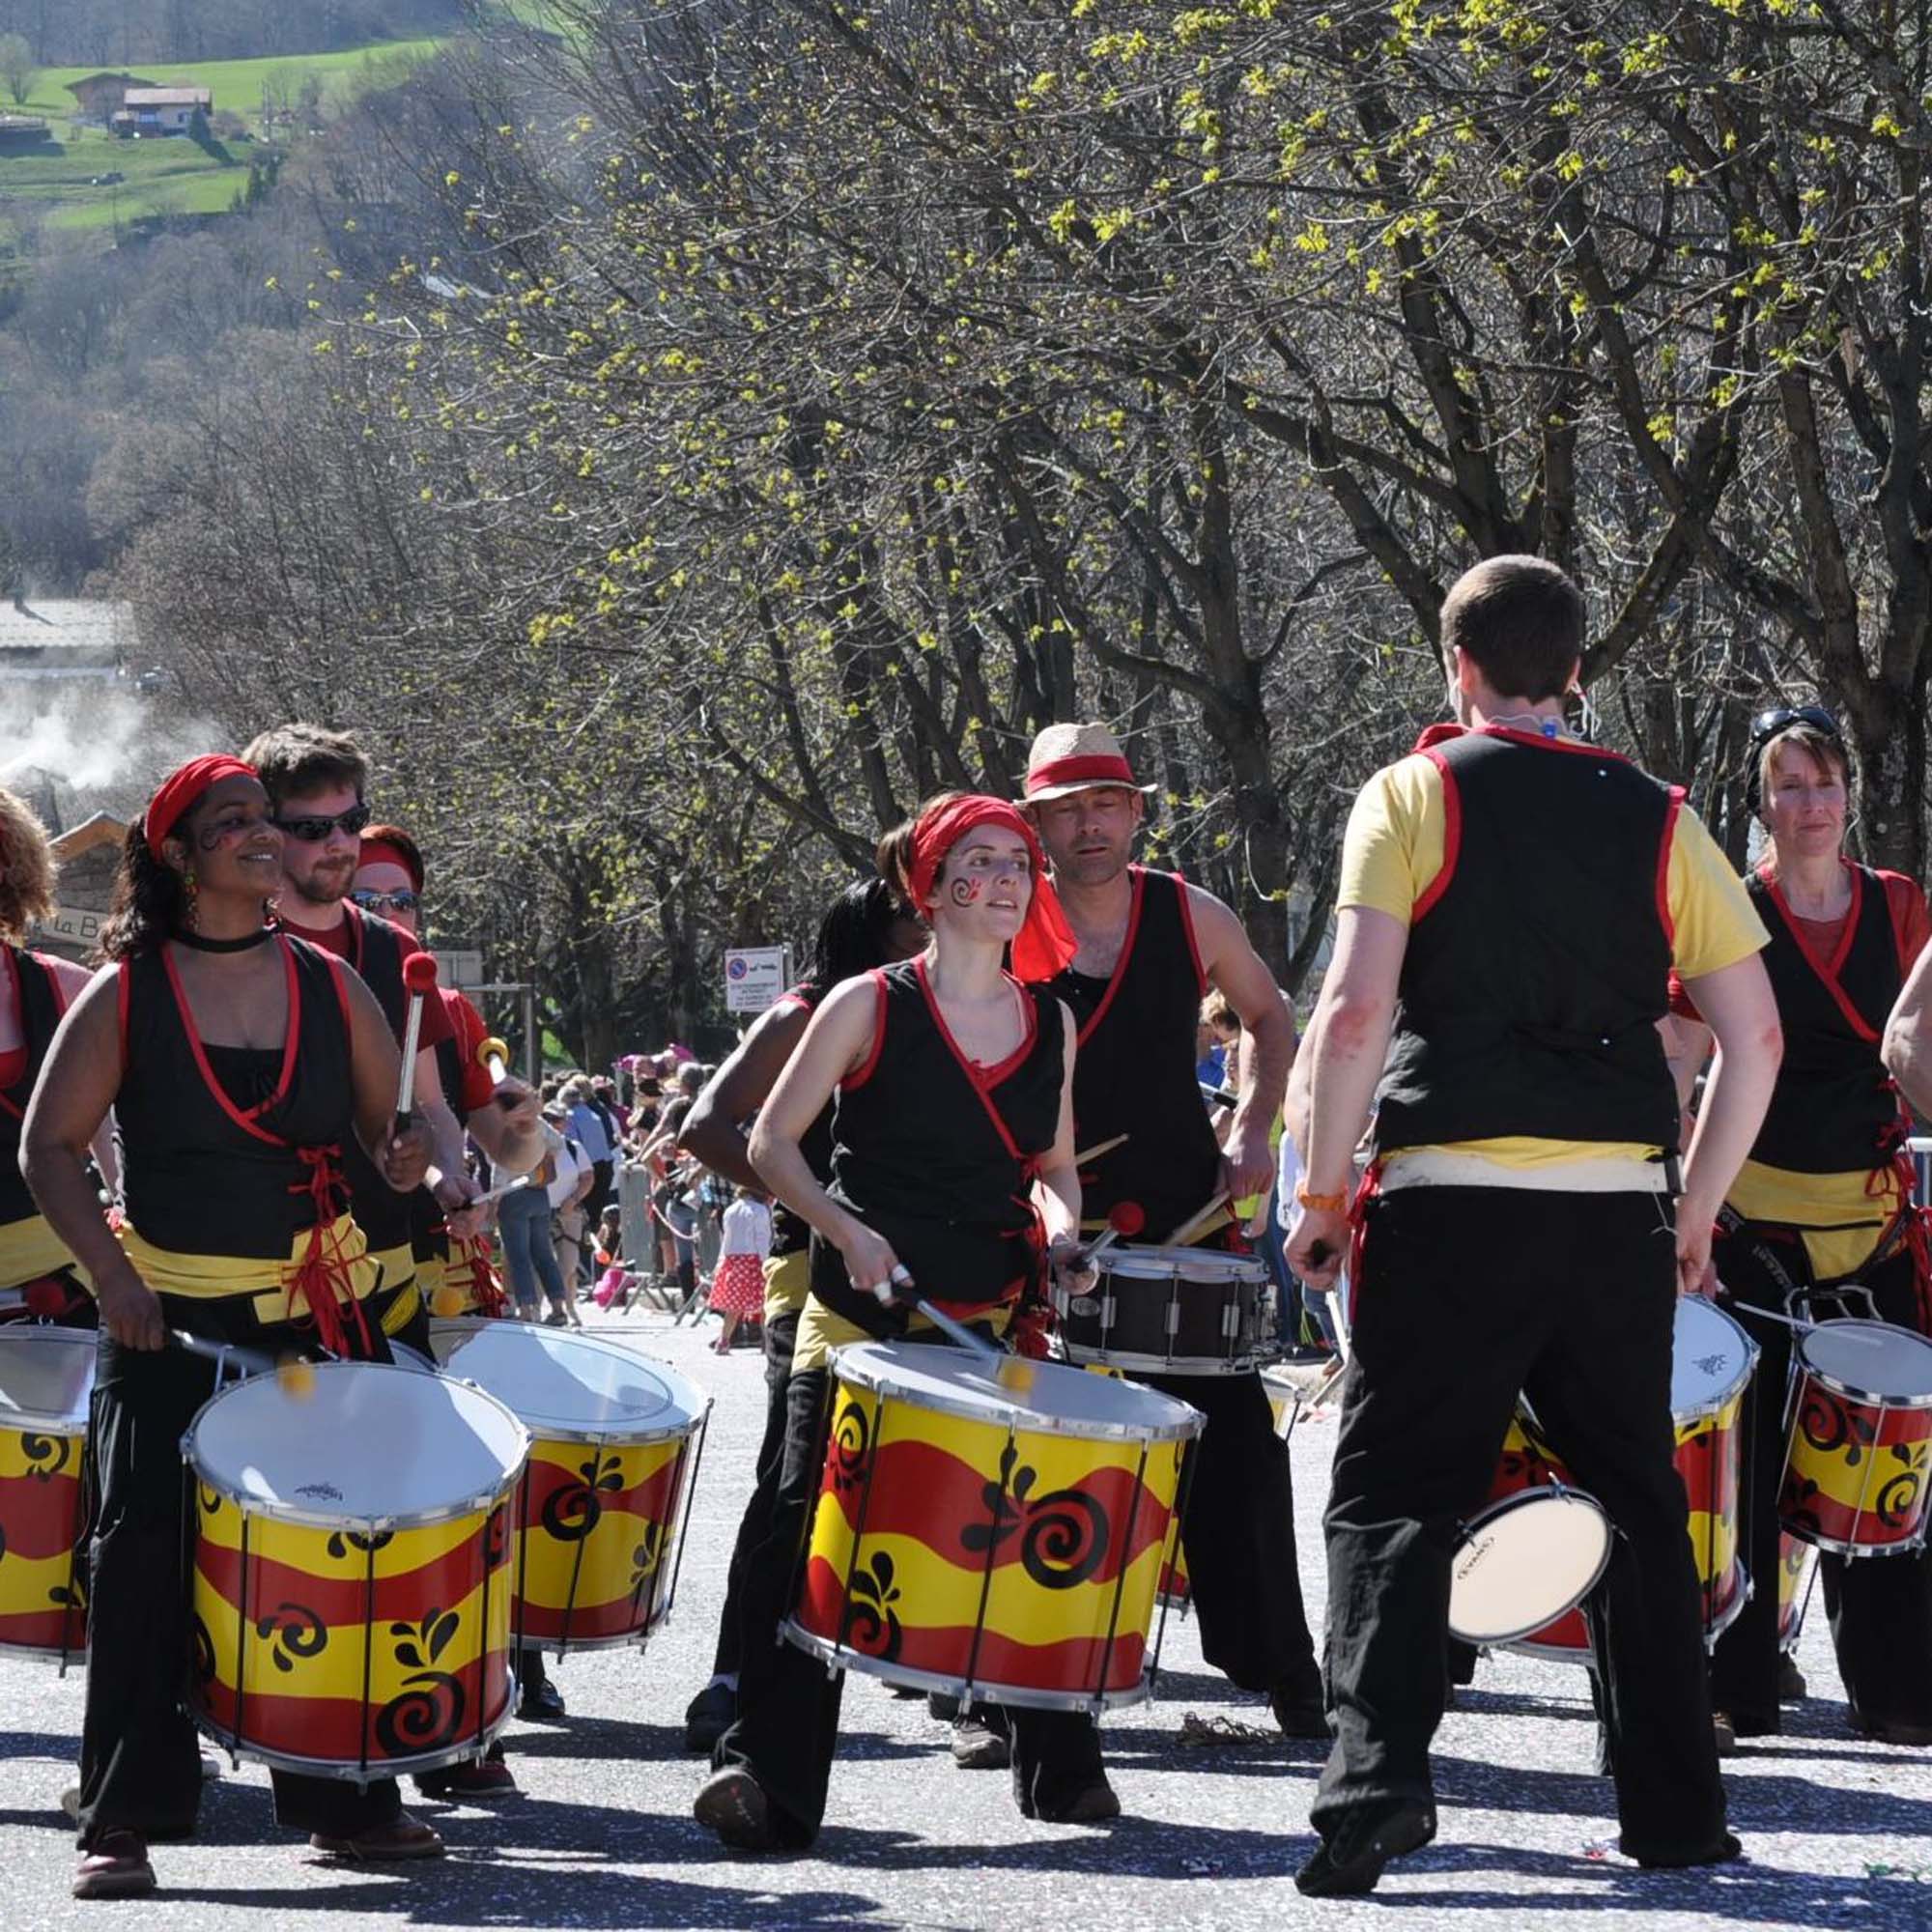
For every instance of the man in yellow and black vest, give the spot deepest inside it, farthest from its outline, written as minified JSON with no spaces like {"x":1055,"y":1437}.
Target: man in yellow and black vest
{"x":1511,"y":904}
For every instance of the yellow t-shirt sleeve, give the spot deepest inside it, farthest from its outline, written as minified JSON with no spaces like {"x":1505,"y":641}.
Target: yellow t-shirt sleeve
{"x":1394,"y":845}
{"x":1714,"y":923}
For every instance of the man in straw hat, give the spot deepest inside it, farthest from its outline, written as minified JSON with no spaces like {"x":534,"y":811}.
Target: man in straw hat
{"x":1149,"y":946}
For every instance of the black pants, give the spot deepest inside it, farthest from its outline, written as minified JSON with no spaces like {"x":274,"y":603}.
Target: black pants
{"x":1238,"y":1536}
{"x":1468,"y":1295}
{"x":140,"y":1762}
{"x":1880,"y":1606}
{"x":781,"y":1334}
{"x":787,"y":1728}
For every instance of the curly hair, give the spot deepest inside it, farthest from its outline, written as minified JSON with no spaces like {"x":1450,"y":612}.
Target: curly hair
{"x":149,"y":899}
{"x":26,"y":869}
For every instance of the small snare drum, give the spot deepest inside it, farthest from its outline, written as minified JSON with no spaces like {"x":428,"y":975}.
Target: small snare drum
{"x":1524,"y":1563}
{"x":988,"y":1541}
{"x":1171,"y":1312}
{"x":351,"y":1588}
{"x":615,"y":1439}
{"x":47,"y":1380}
{"x":1860,"y":1440}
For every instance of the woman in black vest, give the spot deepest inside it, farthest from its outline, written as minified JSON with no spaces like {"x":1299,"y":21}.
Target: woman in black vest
{"x":241,"y":1063}
{"x":952,"y":1170}
{"x":1824,"y":1201}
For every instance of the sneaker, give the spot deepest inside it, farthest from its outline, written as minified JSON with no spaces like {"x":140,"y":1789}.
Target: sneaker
{"x":1350,"y":1864}
{"x":403,"y":1837}
{"x":116,"y":1868}
{"x":732,"y":1803}
{"x":708,"y":1716}
{"x":1791,"y":1685}
{"x":977,"y":1747}
{"x":476,"y":1779}
{"x":542,"y":1702}
{"x":1092,"y":1806}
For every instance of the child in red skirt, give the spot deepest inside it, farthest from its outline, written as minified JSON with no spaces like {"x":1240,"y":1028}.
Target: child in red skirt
{"x":738,"y":1286}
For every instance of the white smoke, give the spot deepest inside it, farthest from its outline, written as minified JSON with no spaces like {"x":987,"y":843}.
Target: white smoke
{"x":95,"y":740}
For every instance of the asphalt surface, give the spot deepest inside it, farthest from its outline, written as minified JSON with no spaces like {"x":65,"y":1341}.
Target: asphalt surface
{"x":1837,"y":1831}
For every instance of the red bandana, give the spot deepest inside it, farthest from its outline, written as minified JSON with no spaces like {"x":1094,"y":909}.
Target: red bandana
{"x":1046,"y":941}
{"x":183,"y":786}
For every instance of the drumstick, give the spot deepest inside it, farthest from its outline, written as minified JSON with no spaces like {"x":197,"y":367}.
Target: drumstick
{"x":1197,"y":1225}
{"x":295,"y":1376}
{"x":419,"y":977}
{"x":1094,"y":1152}
{"x":1124,"y":1220}
{"x":1771,"y":1315}
{"x":494,"y":1054}
{"x":1010,"y":1372}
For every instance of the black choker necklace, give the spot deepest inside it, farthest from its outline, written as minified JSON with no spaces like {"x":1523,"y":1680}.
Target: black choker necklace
{"x":197,"y":944}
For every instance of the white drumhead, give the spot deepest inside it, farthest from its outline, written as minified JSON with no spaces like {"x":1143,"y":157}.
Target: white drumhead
{"x":1070,"y":1401}
{"x":363,"y":1442}
{"x":1873,"y":1357}
{"x":47,"y":1378}
{"x":1149,"y":1263}
{"x":1525,"y":1562}
{"x":1710,"y":1358}
{"x":564,"y":1385}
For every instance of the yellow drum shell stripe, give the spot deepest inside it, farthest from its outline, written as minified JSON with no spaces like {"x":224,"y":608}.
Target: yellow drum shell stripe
{"x":1713,"y":1557}
{"x":27,"y":1583}
{"x":547,"y":1571}
{"x":936,"y":1594}
{"x":305,"y":1548}
{"x":16,"y":1462}
{"x":1850,"y":1483}
{"x":1725,"y":1418}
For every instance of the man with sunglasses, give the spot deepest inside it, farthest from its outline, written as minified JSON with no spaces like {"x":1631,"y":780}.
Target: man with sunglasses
{"x":315,"y":780}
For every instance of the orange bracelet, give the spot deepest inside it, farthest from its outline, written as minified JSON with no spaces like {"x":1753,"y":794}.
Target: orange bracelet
{"x":1321,"y":1203}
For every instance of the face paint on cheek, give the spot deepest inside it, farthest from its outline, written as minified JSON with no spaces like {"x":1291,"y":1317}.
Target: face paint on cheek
{"x":968,"y":891}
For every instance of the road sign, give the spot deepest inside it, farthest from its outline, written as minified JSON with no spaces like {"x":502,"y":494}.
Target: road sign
{"x":459,"y":966}
{"x":754,"y":975}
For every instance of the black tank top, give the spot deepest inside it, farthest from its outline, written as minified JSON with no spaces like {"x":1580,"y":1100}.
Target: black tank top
{"x":388,"y":1219}
{"x":213,"y":1172}
{"x":1834,"y":1109}
{"x":791,"y":1235}
{"x":938,"y":1156}
{"x":39,"y":1004}
{"x":1134,"y":1072}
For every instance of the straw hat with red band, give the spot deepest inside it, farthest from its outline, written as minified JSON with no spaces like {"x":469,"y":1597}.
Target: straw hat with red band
{"x":1044,"y":942}
{"x":183,"y":789}
{"x":1067,"y":758}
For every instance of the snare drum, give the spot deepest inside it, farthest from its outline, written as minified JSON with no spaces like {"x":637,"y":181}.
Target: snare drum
{"x":351,"y":1588}
{"x":1171,"y":1312}
{"x":615,"y":1445}
{"x":1524,"y":1564}
{"x":1860,"y":1440}
{"x":991,"y":1541}
{"x":47,"y":1380}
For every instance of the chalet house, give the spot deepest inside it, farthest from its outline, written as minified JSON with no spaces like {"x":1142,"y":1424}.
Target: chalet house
{"x":161,"y":110}
{"x":100,"y":96}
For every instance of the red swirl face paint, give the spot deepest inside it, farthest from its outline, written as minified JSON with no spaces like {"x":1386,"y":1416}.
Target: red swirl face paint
{"x":967,"y":891}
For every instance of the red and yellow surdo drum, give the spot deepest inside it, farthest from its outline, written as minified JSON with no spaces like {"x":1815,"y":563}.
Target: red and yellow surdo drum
{"x":991,"y":1535}
{"x":1861,"y":1440}
{"x":615,"y":1445}
{"x":1711,"y":1364}
{"x":47,"y":1379}
{"x":352,"y":1588}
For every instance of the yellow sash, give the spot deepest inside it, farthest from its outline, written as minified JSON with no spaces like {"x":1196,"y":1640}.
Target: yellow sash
{"x":212,"y":1276}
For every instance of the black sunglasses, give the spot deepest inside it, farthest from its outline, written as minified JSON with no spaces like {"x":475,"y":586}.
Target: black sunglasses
{"x":1767,"y":725}
{"x":380,"y":902}
{"x":313,"y":828}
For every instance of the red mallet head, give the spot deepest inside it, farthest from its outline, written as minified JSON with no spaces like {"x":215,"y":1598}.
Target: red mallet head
{"x":1126,"y":1218}
{"x":419,"y":973}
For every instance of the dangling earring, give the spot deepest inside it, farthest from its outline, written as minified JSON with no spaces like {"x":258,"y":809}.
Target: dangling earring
{"x":191,"y":897}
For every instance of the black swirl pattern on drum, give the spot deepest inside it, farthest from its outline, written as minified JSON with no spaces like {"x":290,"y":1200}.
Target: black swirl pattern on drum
{"x":46,"y":1455}
{"x":645,"y":1562}
{"x":869,"y":1624}
{"x":572,"y":1512}
{"x":204,"y":1651}
{"x":850,"y":1451}
{"x":294,"y":1631}
{"x":209,"y":1501}
{"x":1065,"y":1535}
{"x":496,"y":1537}
{"x":342,"y":1541}
{"x":429,"y":1714}
{"x":1829,"y":1426}
{"x":1898,"y":1502}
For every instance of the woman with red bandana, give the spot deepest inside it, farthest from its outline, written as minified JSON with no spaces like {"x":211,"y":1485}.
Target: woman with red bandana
{"x":238,"y":1061}
{"x":952,"y":1177}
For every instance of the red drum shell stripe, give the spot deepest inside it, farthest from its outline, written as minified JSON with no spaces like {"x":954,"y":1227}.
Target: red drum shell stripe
{"x":650,"y":1500}
{"x":56,"y":1628}
{"x":340,"y":1730}
{"x":40,"y":1516}
{"x":339,"y":1601}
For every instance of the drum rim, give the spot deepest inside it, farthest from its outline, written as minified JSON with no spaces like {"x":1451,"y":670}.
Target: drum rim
{"x":1211,"y":1366}
{"x":1223,"y":1262}
{"x":1023,"y":1421}
{"x":838,"y":1656}
{"x":310,"y":1518}
{"x":633,"y":1438}
{"x":1871,"y":1398}
{"x":1517,"y":1499}
{"x":45,"y":1421}
{"x":1683,"y":1418}
{"x":353,"y":1771}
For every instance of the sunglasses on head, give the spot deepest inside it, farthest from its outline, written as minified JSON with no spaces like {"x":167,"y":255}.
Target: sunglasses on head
{"x":1767,"y":725}
{"x":380,"y":902}
{"x":313,"y":828}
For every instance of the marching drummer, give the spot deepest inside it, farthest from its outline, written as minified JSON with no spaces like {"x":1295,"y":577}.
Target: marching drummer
{"x":240,"y":1061}
{"x":1822,"y":1212}
{"x":38,"y":1279}
{"x":952,"y":1179}
{"x":1149,"y":946}
{"x":1512,"y":903}
{"x":864,"y":926}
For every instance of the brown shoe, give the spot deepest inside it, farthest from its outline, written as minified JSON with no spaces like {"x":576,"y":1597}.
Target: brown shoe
{"x":732,"y":1803}
{"x":403,"y":1837}
{"x":116,"y":1868}
{"x":477,"y":1778}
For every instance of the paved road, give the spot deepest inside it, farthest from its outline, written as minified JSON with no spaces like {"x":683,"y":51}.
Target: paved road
{"x":1840,"y":1831}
